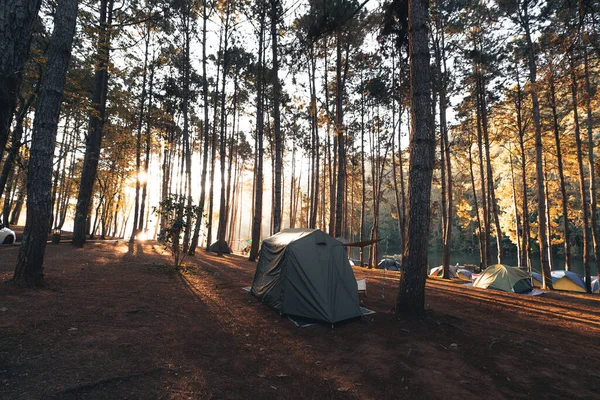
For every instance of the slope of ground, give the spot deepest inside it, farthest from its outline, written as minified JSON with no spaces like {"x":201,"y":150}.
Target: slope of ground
{"x":114,"y":322}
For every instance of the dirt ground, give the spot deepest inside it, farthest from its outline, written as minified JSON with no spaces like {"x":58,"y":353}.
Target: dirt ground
{"x":114,"y":322}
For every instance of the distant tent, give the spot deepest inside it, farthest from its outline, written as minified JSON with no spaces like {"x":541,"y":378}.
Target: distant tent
{"x":537,"y":280}
{"x":306,"y":273}
{"x":244,"y":245}
{"x":439,"y":271}
{"x":225,"y":249}
{"x":389,"y":264}
{"x":502,"y":277}
{"x":595,"y":285}
{"x":464,"y":274}
{"x":568,"y":281}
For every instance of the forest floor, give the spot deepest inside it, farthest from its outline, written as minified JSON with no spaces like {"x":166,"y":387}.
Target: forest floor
{"x":115,"y":322}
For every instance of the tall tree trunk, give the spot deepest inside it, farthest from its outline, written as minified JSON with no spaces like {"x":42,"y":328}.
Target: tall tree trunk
{"x":186,"y":18}
{"x":233,"y":139}
{"x":590,"y":137}
{"x":29,"y":268}
{"x":223,"y":142}
{"x":16,"y":212}
{"x":213,"y":151}
{"x":493,"y":204}
{"x":446,"y":149}
{"x":314,"y":197}
{"x":482,"y":260}
{"x":525,"y":246}
{"x":341,"y":141}
{"x":582,"y":184}
{"x":257,"y":218}
{"x":15,"y":145}
{"x":538,"y":154}
{"x":96,"y":126}
{"x":445,"y":166}
{"x":331,"y":170}
{"x":143,"y":222}
{"x":487,"y":261}
{"x":276,"y":117}
{"x":516,"y":209}
{"x":549,"y":230}
{"x":293,"y":182}
{"x":411,"y":295}
{"x":138,"y":140}
{"x":7,"y":205}
{"x":17,"y":19}
{"x":363,"y":196}
{"x":56,"y":173}
{"x":205,"y":129}
{"x":561,"y":174}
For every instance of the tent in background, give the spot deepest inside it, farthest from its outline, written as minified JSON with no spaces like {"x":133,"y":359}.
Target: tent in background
{"x":464,"y":274}
{"x":439,"y":271}
{"x":537,"y":280}
{"x":455,"y":272}
{"x":225,"y":249}
{"x":306,"y":273}
{"x":595,"y":285}
{"x":568,"y":281}
{"x":502,"y":277}
{"x":389,"y":264}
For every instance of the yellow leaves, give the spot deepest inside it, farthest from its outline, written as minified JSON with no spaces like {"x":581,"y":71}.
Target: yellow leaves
{"x":463,"y":211}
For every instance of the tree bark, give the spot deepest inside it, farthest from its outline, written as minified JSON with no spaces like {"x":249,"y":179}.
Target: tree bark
{"x":411,"y":295}
{"x":341,"y":142}
{"x":96,"y":126}
{"x":582,"y":184}
{"x":525,"y":246}
{"x":29,"y":268}
{"x":205,"y":129}
{"x":482,"y":261}
{"x":561,"y":173}
{"x":590,"y":138}
{"x":257,"y":218}
{"x":17,"y":19}
{"x":485,"y":239}
{"x":138,"y":141}
{"x":542,"y":238}
{"x":223,"y":139}
{"x":143,"y":222}
{"x":15,"y":145}
{"x":276,"y":116}
{"x":213,"y":150}
{"x":516,"y":209}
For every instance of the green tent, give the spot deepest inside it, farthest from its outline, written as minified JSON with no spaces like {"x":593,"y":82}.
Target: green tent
{"x":306,"y":273}
{"x":224,"y":247}
{"x":502,"y":277}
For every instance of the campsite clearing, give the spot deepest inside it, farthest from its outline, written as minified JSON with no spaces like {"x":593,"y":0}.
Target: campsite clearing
{"x":114,"y":322}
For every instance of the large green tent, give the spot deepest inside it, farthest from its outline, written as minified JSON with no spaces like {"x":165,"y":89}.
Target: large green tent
{"x":306,"y":273}
{"x":502,"y":277}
